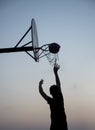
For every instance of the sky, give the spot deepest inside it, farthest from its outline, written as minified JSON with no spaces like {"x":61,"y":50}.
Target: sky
{"x":70,"y":23}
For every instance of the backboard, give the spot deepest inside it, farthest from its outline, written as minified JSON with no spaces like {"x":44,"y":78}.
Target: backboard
{"x":35,"y":42}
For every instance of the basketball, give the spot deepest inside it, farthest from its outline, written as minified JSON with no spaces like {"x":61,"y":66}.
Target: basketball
{"x":54,"y":48}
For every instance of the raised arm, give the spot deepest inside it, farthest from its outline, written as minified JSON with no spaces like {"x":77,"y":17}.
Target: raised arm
{"x":43,"y":94}
{"x":55,"y":69}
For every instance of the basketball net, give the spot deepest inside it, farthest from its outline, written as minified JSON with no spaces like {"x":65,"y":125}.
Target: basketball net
{"x":52,"y":58}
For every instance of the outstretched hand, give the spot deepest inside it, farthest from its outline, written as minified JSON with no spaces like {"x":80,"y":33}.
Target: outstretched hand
{"x":56,"y":67}
{"x":41,"y":82}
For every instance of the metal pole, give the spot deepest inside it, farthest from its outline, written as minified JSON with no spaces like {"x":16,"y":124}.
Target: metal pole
{"x":17,"y":49}
{"x":23,"y":36}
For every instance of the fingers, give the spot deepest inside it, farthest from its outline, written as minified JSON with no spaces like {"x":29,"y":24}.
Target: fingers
{"x":41,"y":82}
{"x":56,"y":67}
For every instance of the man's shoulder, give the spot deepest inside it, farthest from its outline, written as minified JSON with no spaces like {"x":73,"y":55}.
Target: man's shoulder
{"x":49,"y":100}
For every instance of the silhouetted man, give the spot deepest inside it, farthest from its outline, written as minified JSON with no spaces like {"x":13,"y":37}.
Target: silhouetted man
{"x":56,"y":103}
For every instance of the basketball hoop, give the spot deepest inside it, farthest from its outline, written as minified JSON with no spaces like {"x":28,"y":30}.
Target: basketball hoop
{"x":49,"y":50}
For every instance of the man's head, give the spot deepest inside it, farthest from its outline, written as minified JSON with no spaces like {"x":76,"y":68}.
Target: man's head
{"x":54,"y":90}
